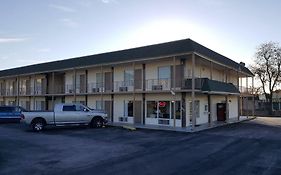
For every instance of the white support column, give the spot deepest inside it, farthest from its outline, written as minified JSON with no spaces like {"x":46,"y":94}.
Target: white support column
{"x":227,"y":108}
{"x":253,"y":94}
{"x":247,"y":103}
{"x":53,"y":89}
{"x":74,"y":84}
{"x":103,"y":86}
{"x":193,"y":92}
{"x":211,"y":70}
{"x":174,"y":88}
{"x":238,"y":98}
{"x":17,"y":99}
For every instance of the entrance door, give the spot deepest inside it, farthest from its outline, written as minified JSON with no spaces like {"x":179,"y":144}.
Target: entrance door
{"x":221,"y":111}
{"x":108,"y":81}
{"x":138,"y":112}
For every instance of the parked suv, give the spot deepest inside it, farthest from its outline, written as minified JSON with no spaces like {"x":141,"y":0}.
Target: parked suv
{"x":11,"y":113}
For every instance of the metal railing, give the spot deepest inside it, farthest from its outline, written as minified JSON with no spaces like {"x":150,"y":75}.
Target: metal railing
{"x":11,"y":92}
{"x":80,"y":89}
{"x":123,"y":86}
{"x":69,"y":89}
{"x":245,"y":90}
{"x":158,"y":84}
{"x":95,"y":87}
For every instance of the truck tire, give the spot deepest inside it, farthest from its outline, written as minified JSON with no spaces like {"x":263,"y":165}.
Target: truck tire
{"x":97,"y":122}
{"x":38,"y":125}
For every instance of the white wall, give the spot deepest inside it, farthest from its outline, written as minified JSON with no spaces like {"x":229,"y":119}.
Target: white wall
{"x":203,"y":100}
{"x":119,"y":104}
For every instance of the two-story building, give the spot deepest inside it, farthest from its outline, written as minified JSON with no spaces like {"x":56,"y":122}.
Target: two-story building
{"x":176,"y":84}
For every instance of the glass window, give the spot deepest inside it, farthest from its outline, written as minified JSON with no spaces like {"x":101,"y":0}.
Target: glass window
{"x":151,"y":109}
{"x":99,"y":80}
{"x":177,"y":109}
{"x":128,"y":108}
{"x":128,"y":77}
{"x":164,"y":72}
{"x":69,"y":108}
{"x":164,"y":109}
{"x":99,"y":104}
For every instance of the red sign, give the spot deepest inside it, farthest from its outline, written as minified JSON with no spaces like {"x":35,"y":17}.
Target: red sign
{"x":162,"y":104}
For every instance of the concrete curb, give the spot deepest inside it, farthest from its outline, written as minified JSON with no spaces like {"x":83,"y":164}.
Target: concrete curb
{"x":133,"y":127}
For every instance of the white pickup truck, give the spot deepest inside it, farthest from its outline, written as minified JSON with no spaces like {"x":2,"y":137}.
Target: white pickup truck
{"x":65,"y":114}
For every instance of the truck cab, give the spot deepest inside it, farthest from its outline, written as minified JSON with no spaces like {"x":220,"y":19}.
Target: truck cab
{"x":66,"y":114}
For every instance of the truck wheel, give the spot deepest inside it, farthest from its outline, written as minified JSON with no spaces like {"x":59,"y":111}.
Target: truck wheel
{"x":38,"y":125}
{"x":97,"y":122}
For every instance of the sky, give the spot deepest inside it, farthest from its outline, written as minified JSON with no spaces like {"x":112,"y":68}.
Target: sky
{"x":33,"y":31}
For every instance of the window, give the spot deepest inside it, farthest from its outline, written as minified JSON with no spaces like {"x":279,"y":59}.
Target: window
{"x":164,"y":72}
{"x":177,"y":109}
{"x":39,"y":105}
{"x":6,"y":109}
{"x":99,"y":104}
{"x":164,"y":109}
{"x":128,"y":77}
{"x":128,"y":108}
{"x":81,"y":108}
{"x":99,"y":80}
{"x":69,"y":108}
{"x":151,"y":109}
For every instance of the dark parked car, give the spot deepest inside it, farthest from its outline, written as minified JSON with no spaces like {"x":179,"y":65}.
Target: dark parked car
{"x":11,"y":113}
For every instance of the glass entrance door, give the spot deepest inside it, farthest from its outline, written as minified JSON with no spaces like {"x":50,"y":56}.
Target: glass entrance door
{"x":163,"y":112}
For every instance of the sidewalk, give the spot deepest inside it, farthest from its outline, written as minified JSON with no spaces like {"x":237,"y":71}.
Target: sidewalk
{"x":180,"y":129}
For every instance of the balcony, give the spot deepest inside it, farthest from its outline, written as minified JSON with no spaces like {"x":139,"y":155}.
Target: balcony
{"x":69,"y":89}
{"x":187,"y":83}
{"x":80,"y":88}
{"x":22,"y":91}
{"x":245,"y":90}
{"x":95,"y":87}
{"x":59,"y":89}
{"x":123,"y":86}
{"x":11,"y":92}
{"x":3,"y":92}
{"x":158,"y":84}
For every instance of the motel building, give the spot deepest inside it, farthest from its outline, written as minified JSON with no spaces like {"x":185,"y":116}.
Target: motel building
{"x":177,"y":84}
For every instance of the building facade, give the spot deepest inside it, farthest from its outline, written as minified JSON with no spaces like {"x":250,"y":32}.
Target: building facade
{"x":179,"y":83}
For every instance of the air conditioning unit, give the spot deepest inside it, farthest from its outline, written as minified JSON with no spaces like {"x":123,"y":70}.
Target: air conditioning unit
{"x":123,"y":119}
{"x":123,"y":89}
{"x":157,"y":87}
{"x":95,"y":90}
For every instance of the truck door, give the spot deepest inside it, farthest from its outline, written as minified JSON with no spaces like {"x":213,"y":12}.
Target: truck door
{"x":68,"y":115}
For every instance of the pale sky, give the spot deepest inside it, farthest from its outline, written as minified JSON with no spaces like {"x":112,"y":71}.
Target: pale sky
{"x":33,"y":31}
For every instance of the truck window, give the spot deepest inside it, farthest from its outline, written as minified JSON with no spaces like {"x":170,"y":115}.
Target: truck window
{"x":80,"y":108}
{"x":69,"y":108}
{"x":6,"y":109}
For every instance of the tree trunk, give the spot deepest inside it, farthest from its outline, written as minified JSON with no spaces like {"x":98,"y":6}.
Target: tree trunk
{"x":270,"y":104}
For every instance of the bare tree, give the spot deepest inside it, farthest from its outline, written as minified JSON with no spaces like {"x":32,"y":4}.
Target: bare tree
{"x":267,"y":68}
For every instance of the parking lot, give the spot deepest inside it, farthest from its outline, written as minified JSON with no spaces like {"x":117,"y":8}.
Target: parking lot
{"x":252,"y":147}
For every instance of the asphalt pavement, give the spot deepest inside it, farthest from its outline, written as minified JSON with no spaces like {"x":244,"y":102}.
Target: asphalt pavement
{"x":252,"y":147}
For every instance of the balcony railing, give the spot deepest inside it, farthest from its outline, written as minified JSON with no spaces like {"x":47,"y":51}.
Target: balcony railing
{"x":59,"y":89}
{"x":245,"y":90}
{"x":22,"y":91}
{"x":158,"y":84}
{"x":187,"y":83}
{"x":95,"y":87}
{"x":80,"y":88}
{"x":123,"y":86}
{"x":11,"y":92}
{"x":3,"y":92}
{"x":69,"y":89}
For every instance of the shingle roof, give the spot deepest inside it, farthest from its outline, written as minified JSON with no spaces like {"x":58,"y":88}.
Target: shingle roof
{"x":156,"y":50}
